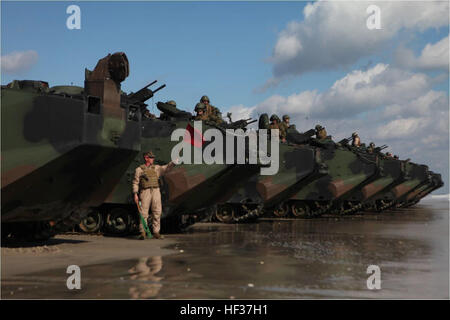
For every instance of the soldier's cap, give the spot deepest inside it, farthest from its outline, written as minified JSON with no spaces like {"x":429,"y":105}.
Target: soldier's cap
{"x":286,"y":117}
{"x":172,"y":102}
{"x":199,"y":106}
{"x":274,"y":117}
{"x":319,"y":127}
{"x":149,"y":154}
{"x":354,"y":134}
{"x":204,"y":98}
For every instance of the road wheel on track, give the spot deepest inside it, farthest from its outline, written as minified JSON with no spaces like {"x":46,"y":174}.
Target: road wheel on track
{"x":118,"y":222}
{"x":300,"y":210}
{"x":92,"y":223}
{"x":281,"y":211}
{"x":225,"y":214}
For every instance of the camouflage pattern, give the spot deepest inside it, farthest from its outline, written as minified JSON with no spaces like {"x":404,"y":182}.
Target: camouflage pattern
{"x":64,"y":148}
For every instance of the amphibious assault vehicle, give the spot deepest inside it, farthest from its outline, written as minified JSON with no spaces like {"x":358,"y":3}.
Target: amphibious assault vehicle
{"x":64,"y":148}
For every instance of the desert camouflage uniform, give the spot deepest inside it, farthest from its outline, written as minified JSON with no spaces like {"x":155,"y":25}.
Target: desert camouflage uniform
{"x":145,"y":183}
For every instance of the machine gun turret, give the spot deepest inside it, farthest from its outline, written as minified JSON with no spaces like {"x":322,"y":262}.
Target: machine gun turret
{"x":143,"y":94}
{"x":137,"y":99}
{"x":295,"y":137}
{"x":345,"y":141}
{"x":239,"y":124}
{"x":378,"y":149}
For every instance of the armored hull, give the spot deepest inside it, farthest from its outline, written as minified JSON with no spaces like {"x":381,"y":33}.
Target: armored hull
{"x":63,"y":150}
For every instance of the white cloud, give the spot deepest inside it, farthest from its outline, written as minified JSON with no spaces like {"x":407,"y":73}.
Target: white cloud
{"x":19,"y":61}
{"x":403,"y":128}
{"x":239,"y":112}
{"x":433,"y":57}
{"x":334,"y":34}
{"x":360,"y":92}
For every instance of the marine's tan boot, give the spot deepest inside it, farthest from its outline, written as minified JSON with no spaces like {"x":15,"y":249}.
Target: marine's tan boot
{"x":142,"y":236}
{"x":158,"y":236}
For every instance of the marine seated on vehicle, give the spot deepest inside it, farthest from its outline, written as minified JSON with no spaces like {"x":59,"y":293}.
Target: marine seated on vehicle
{"x":201,"y":114}
{"x":200,"y":110}
{"x":356,"y":141}
{"x":321,"y":133}
{"x":371,"y":148}
{"x":210,"y":109}
{"x":275,"y":124}
{"x":285,"y":125}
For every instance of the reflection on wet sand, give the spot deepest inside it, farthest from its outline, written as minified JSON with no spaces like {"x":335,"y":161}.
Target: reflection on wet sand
{"x":277,"y":259}
{"x":146,"y":284}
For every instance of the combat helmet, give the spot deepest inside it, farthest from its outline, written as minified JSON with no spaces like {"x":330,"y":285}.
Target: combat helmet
{"x":285,"y":117}
{"x":274,"y":117}
{"x":354,"y":134}
{"x":372,"y":145}
{"x":203,"y":98}
{"x":149,"y":154}
{"x":172,"y":102}
{"x":200,"y":106}
{"x":319,"y":127}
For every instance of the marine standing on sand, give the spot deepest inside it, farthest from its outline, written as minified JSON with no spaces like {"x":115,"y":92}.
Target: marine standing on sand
{"x":145,"y":187}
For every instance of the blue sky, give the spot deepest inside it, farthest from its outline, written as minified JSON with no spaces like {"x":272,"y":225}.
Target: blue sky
{"x":218,"y":48}
{"x":195,"y":48}
{"x":326,"y":66}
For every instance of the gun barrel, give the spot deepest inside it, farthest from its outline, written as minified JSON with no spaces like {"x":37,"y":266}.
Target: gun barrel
{"x":151,"y":83}
{"x":159,"y":88}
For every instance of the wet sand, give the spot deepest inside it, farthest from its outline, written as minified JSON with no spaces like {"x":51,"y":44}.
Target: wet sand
{"x":270,"y":259}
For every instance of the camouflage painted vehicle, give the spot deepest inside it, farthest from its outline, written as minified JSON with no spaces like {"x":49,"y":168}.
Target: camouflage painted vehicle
{"x":312,"y":177}
{"x":336,"y":192}
{"x":375,"y":195}
{"x":435,"y":183}
{"x":63,"y":149}
{"x":421,"y":174}
{"x":189,"y":191}
{"x":267,"y":194}
{"x":413,"y":176}
{"x":322,"y":177}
